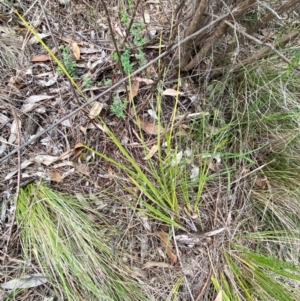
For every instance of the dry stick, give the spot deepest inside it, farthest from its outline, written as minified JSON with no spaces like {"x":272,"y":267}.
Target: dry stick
{"x":113,"y":39}
{"x":218,"y":32}
{"x":170,"y":49}
{"x":194,"y":24}
{"x":179,"y":8}
{"x":272,"y":14}
{"x":258,"y":55}
{"x":181,"y":265}
{"x":58,"y":51}
{"x":18,"y":180}
{"x":235,"y":27}
{"x":208,"y":278}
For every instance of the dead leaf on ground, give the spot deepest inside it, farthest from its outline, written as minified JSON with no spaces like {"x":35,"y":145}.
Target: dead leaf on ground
{"x":194,"y":172}
{"x":172,"y":92}
{"x":219,"y":296}
{"x":56,"y":176}
{"x":175,"y":161}
{"x":134,"y":90}
{"x":168,"y":245}
{"x":14,"y":131}
{"x":151,"y":128}
{"x":262,"y":183}
{"x":45,"y":159}
{"x":151,"y":153}
{"x":24,"y":164}
{"x":110,"y":173}
{"x":26,"y":281}
{"x":37,"y":98}
{"x":151,"y":264}
{"x":41,"y":58}
{"x":119,"y":31}
{"x":96,"y":109}
{"x":146,"y":17}
{"x":78,"y":149}
{"x":40,"y":36}
{"x":152,"y":114}
{"x":48,"y":83}
{"x":147,"y":81}
{"x":136,"y":272}
{"x":76,"y":50}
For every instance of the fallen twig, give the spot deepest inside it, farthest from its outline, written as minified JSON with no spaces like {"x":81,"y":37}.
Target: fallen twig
{"x":18,"y":182}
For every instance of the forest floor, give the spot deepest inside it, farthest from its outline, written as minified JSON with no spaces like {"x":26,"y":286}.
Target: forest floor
{"x":127,"y":179}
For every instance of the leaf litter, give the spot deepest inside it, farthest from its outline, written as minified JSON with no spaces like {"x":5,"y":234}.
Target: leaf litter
{"x":96,"y":133}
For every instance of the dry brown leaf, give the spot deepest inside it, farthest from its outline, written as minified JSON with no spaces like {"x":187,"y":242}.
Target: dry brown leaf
{"x":76,"y":50}
{"x":78,"y":150}
{"x":41,"y":58}
{"x":212,"y":166}
{"x":151,"y":128}
{"x":219,"y":296}
{"x":144,"y":80}
{"x":261,"y":183}
{"x":96,"y":109}
{"x":168,"y":245}
{"x":151,"y":264}
{"x":78,"y":145}
{"x":172,"y":92}
{"x":56,"y":176}
{"x":110,"y":173}
{"x":83,"y":169}
{"x":134,"y":90}
{"x":152,"y":151}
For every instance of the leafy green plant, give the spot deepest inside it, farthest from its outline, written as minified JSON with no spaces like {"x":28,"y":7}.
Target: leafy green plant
{"x":118,"y":107}
{"x":124,"y":17}
{"x":87,"y":82}
{"x":141,"y":57}
{"x":107,"y":81}
{"x":294,"y":63}
{"x":69,"y":64}
{"x":125,"y":60}
{"x":136,"y":30}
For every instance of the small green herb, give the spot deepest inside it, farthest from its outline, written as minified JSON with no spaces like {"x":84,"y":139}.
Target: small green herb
{"x":70,"y":65}
{"x":125,"y":61}
{"x":115,"y":56}
{"x":130,"y":4}
{"x":141,"y":58}
{"x":136,"y":30}
{"x":87,"y":82}
{"x":107,"y":81}
{"x":124,"y":17}
{"x":118,"y":107}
